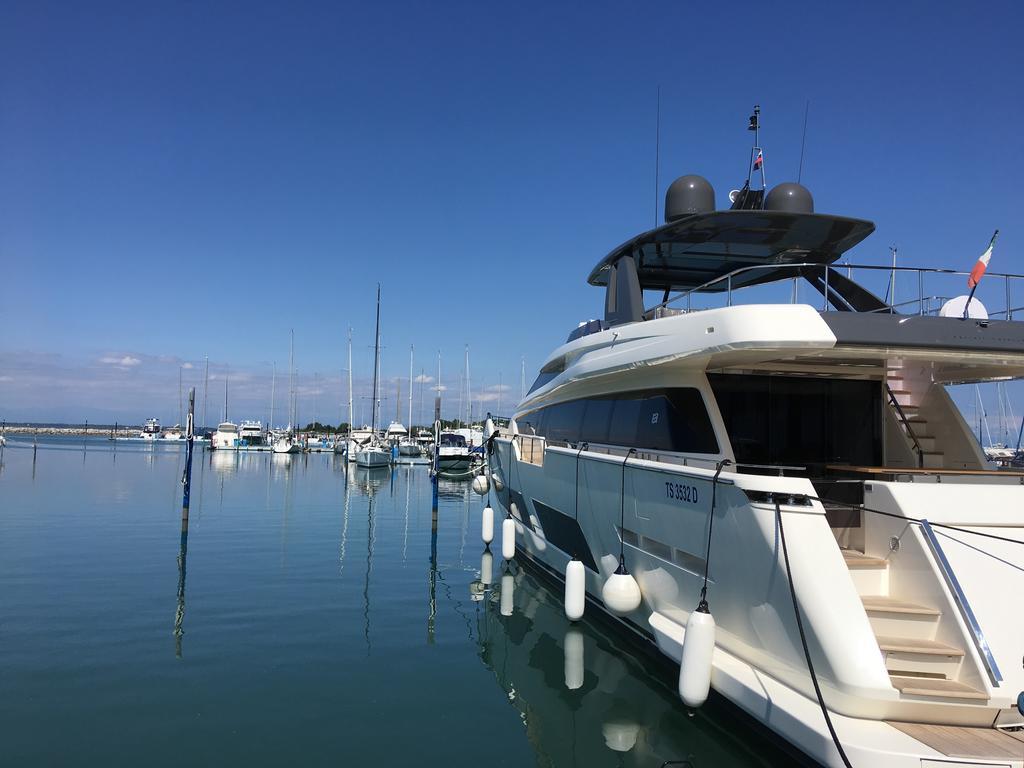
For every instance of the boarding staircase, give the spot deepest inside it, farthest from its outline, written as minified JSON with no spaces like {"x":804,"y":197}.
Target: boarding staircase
{"x":920,"y":667}
{"x":905,"y":398}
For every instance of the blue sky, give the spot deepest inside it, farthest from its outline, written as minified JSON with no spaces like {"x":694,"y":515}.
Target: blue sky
{"x":180,"y":180}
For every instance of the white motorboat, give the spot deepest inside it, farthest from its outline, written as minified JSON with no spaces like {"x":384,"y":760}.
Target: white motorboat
{"x":173,"y":433}
{"x":250,"y":433}
{"x":151,"y":430}
{"x":453,"y":453}
{"x":409,"y":448}
{"x":287,"y":444}
{"x":844,"y":485}
{"x":226,"y":437}
{"x":395,"y":433}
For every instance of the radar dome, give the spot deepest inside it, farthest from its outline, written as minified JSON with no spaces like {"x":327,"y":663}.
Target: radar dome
{"x":789,"y":197}
{"x":688,"y":195}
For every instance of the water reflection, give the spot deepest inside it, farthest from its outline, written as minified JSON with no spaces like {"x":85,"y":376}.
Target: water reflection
{"x":584,"y":697}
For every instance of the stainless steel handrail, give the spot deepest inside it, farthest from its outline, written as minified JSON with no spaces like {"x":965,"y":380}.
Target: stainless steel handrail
{"x":920,"y":271}
{"x":963,"y":604}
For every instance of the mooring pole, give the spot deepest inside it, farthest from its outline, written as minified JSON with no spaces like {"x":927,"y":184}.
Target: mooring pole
{"x":186,"y":481}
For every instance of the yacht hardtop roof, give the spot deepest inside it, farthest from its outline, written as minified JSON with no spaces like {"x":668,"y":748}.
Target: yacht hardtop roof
{"x":693,"y":250}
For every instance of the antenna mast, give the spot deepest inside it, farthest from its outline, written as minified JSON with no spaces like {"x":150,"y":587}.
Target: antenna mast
{"x":657,"y":156}
{"x":803,"y":142}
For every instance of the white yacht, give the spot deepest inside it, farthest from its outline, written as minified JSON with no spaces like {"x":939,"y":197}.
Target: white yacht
{"x":287,"y":444}
{"x":173,"y":433}
{"x":395,"y":433}
{"x":151,"y":430}
{"x":250,"y":433}
{"x":453,"y":453}
{"x":226,"y":436}
{"x":804,"y":465}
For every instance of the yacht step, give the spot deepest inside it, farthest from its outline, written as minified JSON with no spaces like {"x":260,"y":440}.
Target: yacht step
{"x":855,"y":559}
{"x":891,"y":617}
{"x":883,"y":604}
{"x":936,"y":687}
{"x":870,"y":575}
{"x":917,"y":646}
{"x":917,"y":656}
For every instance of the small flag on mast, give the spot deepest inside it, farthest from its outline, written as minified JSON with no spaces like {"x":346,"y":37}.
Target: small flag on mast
{"x":758,"y":161}
{"x":982,"y":264}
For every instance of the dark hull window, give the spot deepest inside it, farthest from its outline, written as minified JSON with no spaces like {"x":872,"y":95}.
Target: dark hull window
{"x":798,"y":421}
{"x":672,"y":419}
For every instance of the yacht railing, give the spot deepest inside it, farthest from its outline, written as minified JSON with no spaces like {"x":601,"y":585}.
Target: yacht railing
{"x":925,"y":303}
{"x":906,"y":424}
{"x":962,"y":604}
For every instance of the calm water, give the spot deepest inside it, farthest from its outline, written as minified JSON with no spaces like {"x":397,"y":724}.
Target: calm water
{"x":321,"y":621}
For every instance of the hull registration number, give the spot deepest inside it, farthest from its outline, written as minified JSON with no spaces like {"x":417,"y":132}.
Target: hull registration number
{"x":681,"y":492}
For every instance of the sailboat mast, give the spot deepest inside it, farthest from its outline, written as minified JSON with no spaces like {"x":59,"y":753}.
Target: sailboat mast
{"x":206,"y":386}
{"x":376,"y":362}
{"x":180,"y":418}
{"x":273,"y":393}
{"x":225,"y":395}
{"x":469,"y":398}
{"x":291,"y":380}
{"x":409,"y":426}
{"x":439,"y":384}
{"x":350,"y":415}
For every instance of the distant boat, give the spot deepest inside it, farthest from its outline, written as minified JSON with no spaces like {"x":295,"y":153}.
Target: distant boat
{"x":173,"y":433}
{"x":152,"y":430}
{"x":226,"y":436}
{"x":287,"y":444}
{"x":250,"y":433}
{"x":453,"y":453}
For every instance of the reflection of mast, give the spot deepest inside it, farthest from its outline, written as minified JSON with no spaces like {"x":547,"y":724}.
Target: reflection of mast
{"x":344,"y":523}
{"x":408,"y":486}
{"x":432,"y":612}
{"x":369,"y":569}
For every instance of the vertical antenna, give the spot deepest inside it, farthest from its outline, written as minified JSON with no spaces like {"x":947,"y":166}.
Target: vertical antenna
{"x":803,"y":142}
{"x":657,"y":156}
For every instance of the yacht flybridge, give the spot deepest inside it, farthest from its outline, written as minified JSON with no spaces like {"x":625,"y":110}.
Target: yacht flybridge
{"x":803,"y":463}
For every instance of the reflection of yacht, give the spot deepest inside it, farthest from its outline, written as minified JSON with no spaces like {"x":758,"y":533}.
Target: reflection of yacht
{"x":583,"y":698}
{"x":818,"y":419}
{"x":453,"y":453}
{"x":225,"y":437}
{"x":250,"y":433}
{"x":151,"y":431}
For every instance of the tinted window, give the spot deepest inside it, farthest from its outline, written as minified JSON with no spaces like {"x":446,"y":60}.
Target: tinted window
{"x":799,"y":421}
{"x":596,"y":419}
{"x":564,"y":421}
{"x":531,"y":423}
{"x":676,"y":420}
{"x":622,"y":429}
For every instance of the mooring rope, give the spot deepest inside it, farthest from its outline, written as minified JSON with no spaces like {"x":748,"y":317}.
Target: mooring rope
{"x":803,"y":641}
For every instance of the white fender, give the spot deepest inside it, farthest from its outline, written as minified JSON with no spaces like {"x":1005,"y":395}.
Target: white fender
{"x":508,"y":538}
{"x":575,"y":590}
{"x":487,"y":525}
{"x":695,"y":666}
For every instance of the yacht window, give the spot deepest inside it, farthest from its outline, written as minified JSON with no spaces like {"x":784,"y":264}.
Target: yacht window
{"x":675,"y":420}
{"x":622,"y":427}
{"x":663,"y":419}
{"x":449,"y":440}
{"x":564,"y":421}
{"x":596,"y":420}
{"x":801,"y":421}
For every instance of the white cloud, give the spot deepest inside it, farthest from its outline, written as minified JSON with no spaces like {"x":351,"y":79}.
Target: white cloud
{"x":6,"y":378}
{"x":122,"y":362}
{"x":423,"y":379}
{"x":187,"y":366}
{"x":499,"y":388}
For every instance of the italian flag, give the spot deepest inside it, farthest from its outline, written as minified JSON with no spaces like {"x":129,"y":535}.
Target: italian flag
{"x":979,"y":268}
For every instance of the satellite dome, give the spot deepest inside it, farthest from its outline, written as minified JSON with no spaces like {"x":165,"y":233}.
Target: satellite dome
{"x":688,"y":195}
{"x":789,"y":197}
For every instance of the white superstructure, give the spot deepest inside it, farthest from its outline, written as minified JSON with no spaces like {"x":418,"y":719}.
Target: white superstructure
{"x":828,"y":428}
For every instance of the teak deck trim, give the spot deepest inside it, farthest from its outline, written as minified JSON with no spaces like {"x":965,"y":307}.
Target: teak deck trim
{"x":965,"y":742}
{"x":921,"y":471}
